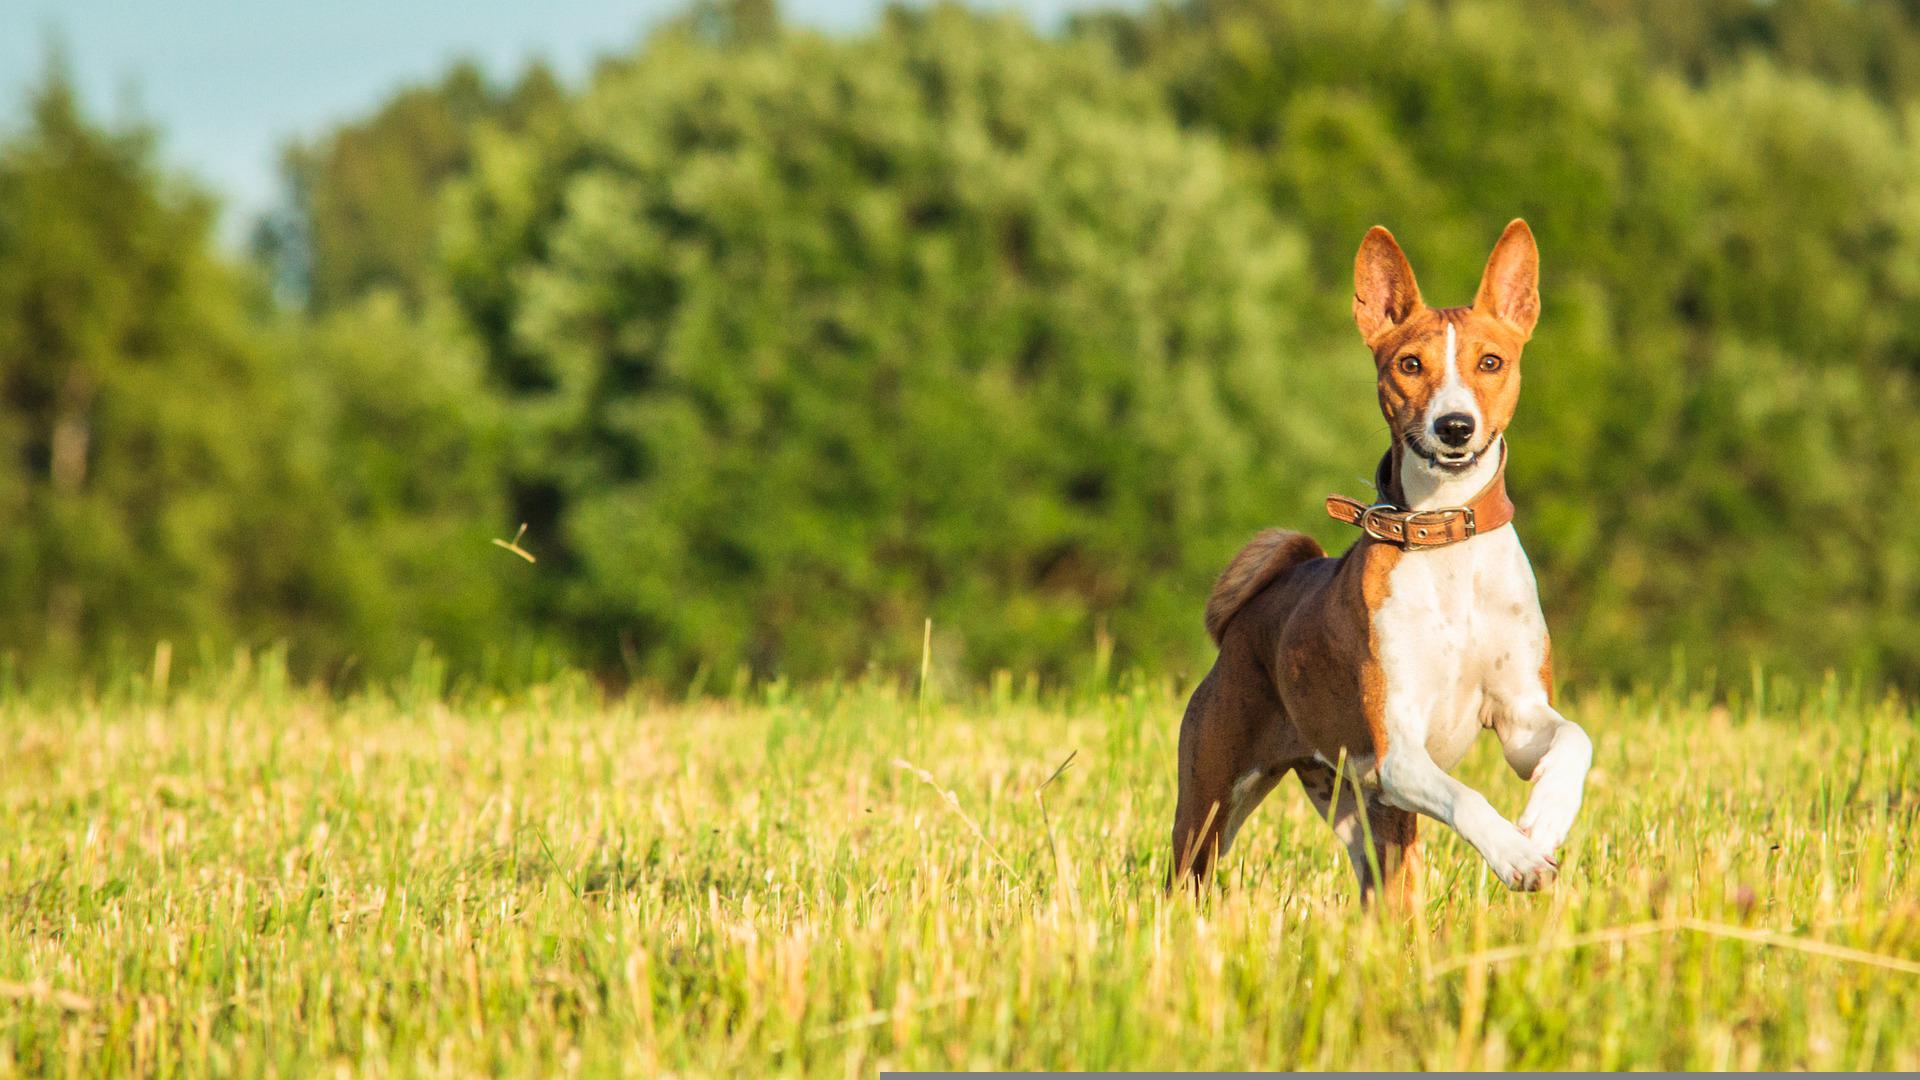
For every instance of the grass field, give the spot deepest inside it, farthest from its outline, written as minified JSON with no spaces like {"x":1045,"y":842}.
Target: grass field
{"x":247,"y":877}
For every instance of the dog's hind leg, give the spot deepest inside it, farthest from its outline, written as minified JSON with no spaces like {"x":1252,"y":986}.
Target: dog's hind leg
{"x":1235,"y":745}
{"x":1391,"y":866}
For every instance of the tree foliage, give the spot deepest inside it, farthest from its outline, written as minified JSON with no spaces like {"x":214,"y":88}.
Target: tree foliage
{"x":184,"y":464}
{"x":783,"y":343}
{"x":137,"y":407}
{"x":363,"y":212}
{"x":822,"y":338}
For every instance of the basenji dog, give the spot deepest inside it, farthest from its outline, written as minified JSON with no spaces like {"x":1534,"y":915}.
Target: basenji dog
{"x":1369,"y":675}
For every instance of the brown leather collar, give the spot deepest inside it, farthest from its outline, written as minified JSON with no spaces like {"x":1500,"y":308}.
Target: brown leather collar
{"x":1411,"y":529}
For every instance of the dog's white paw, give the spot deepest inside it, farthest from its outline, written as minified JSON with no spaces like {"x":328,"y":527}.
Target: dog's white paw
{"x":1521,"y":862}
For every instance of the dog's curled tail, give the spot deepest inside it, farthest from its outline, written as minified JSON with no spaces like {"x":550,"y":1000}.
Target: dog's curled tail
{"x":1272,"y":553}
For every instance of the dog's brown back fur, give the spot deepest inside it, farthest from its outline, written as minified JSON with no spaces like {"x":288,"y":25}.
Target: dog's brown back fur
{"x":1267,"y":556}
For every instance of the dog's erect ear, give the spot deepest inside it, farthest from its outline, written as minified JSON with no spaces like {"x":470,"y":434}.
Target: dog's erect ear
{"x":1384,"y":292}
{"x":1510,"y":288}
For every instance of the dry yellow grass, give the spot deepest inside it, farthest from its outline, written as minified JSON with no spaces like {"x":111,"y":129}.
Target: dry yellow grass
{"x":247,"y":877}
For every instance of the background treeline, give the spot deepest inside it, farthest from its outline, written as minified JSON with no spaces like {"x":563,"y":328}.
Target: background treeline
{"x":782,"y":343}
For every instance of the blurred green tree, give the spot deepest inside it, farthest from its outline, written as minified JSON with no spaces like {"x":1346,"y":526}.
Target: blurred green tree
{"x":143,"y":487}
{"x":363,"y":209}
{"x":408,"y":442}
{"x":783,"y":342}
{"x":1870,"y":44}
{"x":810,"y":340}
{"x":177,"y":461}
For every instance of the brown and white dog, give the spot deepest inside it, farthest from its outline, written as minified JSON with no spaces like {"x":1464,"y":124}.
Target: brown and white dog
{"x":1388,"y":660}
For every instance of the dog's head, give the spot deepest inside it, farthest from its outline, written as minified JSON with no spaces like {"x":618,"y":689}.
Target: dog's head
{"x":1449,"y":377}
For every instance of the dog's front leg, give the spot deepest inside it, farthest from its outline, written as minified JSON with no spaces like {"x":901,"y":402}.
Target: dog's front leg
{"x":1411,"y":780}
{"x":1554,"y":753}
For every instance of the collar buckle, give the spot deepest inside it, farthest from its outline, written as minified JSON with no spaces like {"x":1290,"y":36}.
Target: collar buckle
{"x":1367,"y":526}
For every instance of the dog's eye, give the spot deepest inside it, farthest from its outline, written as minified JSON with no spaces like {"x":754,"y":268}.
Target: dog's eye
{"x":1491,"y":362}
{"x":1409,"y":365}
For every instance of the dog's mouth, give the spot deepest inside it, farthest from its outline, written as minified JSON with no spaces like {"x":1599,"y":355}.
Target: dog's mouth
{"x":1446,"y":461}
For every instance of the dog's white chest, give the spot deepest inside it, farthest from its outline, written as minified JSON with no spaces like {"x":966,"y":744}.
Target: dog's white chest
{"x":1459,"y":635}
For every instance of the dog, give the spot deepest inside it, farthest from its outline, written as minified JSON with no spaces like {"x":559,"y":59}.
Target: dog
{"x":1368,"y":675}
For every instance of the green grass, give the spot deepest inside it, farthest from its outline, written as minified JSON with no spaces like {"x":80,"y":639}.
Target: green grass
{"x":248,"y":877}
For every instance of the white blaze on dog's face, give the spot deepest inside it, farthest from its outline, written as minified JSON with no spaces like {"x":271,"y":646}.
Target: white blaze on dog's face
{"x":1448,"y":377}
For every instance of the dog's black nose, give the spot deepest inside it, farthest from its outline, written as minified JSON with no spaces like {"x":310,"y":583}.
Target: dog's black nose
{"x":1454,"y":429}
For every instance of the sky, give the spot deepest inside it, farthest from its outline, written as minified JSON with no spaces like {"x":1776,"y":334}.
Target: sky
{"x":229,"y":82}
